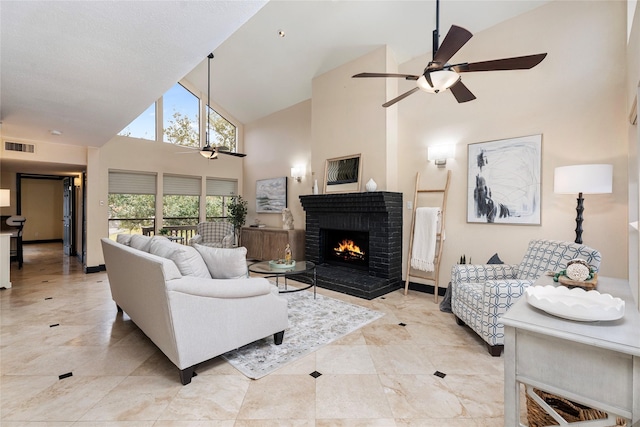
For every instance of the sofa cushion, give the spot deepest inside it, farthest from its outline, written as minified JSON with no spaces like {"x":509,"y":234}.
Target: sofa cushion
{"x":124,"y":239}
{"x":224,"y":263}
{"x":188,"y":260}
{"x":140,"y":242}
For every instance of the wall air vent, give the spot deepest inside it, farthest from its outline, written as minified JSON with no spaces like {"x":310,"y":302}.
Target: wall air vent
{"x":18,"y":146}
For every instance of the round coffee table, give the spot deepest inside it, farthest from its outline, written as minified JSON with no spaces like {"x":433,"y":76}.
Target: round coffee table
{"x":263,"y":267}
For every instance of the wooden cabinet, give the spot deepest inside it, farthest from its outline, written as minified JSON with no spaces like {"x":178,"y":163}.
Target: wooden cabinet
{"x":266,"y":244}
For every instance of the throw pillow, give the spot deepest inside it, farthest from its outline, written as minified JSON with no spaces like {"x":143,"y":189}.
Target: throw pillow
{"x":224,"y":263}
{"x":188,"y":260}
{"x":124,"y":239}
{"x":495,"y":259}
{"x":140,"y":242}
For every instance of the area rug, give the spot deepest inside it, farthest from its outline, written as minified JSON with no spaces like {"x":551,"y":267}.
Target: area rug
{"x":312,"y":324}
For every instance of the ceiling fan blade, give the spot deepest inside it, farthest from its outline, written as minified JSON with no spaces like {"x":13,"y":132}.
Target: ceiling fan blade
{"x":516,"y":63}
{"x":453,"y":41}
{"x":400,"y":98}
{"x":230,"y":153}
{"x":406,"y":76}
{"x":461,"y":92}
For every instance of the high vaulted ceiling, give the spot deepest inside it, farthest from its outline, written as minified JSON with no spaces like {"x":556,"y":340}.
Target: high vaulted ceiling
{"x":88,"y":68}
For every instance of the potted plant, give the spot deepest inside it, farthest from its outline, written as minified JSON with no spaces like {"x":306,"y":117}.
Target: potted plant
{"x":164,"y":232}
{"x":237,"y":214}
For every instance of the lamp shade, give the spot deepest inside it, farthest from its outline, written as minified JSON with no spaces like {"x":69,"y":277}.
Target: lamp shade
{"x":5,"y":197}
{"x":586,"y":179}
{"x":442,"y":80}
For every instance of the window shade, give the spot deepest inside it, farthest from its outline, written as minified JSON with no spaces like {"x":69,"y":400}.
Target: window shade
{"x":132,"y":183}
{"x":221,"y":187}
{"x":181,"y":185}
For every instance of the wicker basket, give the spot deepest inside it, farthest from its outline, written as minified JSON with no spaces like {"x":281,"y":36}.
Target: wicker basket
{"x":570,"y":411}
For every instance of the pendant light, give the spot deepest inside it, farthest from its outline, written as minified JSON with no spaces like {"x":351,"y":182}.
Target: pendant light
{"x":208,"y":151}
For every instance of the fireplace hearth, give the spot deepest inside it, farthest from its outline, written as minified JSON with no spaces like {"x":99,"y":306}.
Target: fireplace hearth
{"x":372,"y":221}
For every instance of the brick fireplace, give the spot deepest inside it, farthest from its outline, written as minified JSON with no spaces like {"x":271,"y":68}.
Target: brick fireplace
{"x":374,"y":220}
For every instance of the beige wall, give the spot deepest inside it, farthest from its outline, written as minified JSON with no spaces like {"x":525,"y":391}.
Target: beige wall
{"x":581,"y":122}
{"x":274,"y":145}
{"x":632,"y":94}
{"x":42,"y":206}
{"x":130,"y":154}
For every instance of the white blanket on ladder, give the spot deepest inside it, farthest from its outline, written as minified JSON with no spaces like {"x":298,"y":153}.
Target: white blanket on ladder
{"x":424,"y":239}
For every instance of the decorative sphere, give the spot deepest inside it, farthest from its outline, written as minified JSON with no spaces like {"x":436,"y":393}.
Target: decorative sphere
{"x":578,"y":270}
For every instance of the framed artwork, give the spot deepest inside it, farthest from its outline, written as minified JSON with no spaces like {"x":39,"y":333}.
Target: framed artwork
{"x":271,"y":195}
{"x":342,"y":174}
{"x":503,"y":181}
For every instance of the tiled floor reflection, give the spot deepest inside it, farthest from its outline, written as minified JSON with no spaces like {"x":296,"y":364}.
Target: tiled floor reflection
{"x":57,"y":320}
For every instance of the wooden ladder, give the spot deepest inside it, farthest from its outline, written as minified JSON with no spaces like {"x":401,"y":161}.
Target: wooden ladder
{"x":439,"y":237}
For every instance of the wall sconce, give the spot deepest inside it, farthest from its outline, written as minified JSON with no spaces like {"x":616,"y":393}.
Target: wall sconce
{"x":439,"y":154}
{"x":587,"y":179}
{"x":297,"y":172}
{"x":5,"y":197}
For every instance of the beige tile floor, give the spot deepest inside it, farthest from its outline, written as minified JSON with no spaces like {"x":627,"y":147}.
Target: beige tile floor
{"x":381,"y":375}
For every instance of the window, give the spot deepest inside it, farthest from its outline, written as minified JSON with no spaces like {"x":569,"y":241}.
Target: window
{"x":222,"y":131}
{"x":219,"y":194}
{"x":181,"y":201}
{"x":144,"y":126}
{"x":180,"y":117}
{"x":132,"y":203}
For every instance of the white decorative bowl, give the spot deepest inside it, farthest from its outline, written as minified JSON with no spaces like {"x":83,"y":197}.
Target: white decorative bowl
{"x":575,"y":304}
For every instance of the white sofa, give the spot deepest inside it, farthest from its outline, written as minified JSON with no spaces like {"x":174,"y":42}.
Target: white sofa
{"x":190,"y":316}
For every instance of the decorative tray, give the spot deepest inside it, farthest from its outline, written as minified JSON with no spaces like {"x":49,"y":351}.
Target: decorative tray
{"x":282,"y":264}
{"x":587,"y":285}
{"x":575,"y":304}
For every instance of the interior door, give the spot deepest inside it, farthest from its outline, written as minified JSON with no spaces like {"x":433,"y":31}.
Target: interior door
{"x":67,"y":216}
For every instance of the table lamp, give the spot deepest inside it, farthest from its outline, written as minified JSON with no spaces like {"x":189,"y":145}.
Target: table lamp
{"x":583,"y":179}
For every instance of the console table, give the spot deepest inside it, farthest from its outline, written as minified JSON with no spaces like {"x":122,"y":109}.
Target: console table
{"x":266,"y":244}
{"x":596,"y":364}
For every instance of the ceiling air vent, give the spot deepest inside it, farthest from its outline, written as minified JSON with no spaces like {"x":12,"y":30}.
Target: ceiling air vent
{"x":18,"y":146}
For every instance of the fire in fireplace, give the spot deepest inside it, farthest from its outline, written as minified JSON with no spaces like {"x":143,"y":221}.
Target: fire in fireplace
{"x":347,"y":248}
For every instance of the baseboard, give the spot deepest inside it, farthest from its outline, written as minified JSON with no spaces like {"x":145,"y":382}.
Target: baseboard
{"x":29,"y":242}
{"x":95,"y":269}
{"x":427,"y":289}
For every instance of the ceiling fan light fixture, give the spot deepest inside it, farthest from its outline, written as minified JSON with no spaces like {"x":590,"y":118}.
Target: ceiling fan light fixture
{"x":208,"y":152}
{"x":442,"y":80}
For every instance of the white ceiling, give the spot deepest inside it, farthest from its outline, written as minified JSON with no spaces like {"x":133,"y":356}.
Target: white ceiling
{"x":89,"y":68}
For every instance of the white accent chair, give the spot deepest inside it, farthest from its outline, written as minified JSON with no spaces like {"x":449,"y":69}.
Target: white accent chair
{"x":481,"y":294}
{"x":214,"y":234}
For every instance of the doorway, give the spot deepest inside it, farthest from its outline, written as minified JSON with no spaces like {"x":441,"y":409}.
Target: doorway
{"x":53,"y":206}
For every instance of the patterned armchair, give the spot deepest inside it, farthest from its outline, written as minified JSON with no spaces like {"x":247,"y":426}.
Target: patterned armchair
{"x":481,"y":294}
{"x":214,"y":234}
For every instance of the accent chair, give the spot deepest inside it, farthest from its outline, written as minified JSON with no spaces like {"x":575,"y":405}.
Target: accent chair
{"x":482,"y":293}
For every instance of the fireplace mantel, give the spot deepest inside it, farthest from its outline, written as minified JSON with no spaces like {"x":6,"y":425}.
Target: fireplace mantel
{"x":380,"y":214}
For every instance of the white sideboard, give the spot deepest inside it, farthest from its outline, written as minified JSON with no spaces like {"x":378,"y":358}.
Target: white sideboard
{"x":5,"y":260}
{"x":593,"y":363}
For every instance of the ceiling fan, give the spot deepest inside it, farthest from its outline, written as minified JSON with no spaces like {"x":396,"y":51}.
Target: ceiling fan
{"x":439,"y":75}
{"x":211,"y":151}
